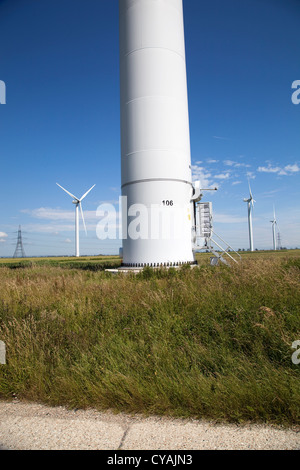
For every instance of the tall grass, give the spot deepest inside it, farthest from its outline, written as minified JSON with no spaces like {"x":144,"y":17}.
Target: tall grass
{"x":211,"y":342}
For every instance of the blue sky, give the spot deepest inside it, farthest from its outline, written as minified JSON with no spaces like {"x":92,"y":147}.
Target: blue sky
{"x":59,"y":60}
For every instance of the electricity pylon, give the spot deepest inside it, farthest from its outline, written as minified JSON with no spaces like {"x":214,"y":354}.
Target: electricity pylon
{"x":19,"y":251}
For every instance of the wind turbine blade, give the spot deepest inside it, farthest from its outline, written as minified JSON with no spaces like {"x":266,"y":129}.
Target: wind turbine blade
{"x":249,"y":188}
{"x":82,"y":197}
{"x":70,"y":194}
{"x":82,"y":218}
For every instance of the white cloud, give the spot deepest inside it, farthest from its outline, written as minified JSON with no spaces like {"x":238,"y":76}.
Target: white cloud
{"x":200,"y":174}
{"x":223,"y":176}
{"x":240,"y":165}
{"x":220,"y":138}
{"x":271,"y":193}
{"x":281,"y":171}
{"x":211,"y":160}
{"x":236,"y":164}
{"x":48,"y":213}
{"x":68,"y":240}
{"x":58,"y":220}
{"x":269,"y":169}
{"x":3,"y":237}
{"x":292,"y":168}
{"x":236,"y":182}
{"x":229,"y":219}
{"x":229,"y":162}
{"x":50,"y":228}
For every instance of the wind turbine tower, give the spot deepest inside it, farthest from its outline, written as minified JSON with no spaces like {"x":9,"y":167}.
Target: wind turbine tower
{"x":274,"y":223}
{"x":155,"y":140}
{"x":77,"y":202}
{"x":250,"y":203}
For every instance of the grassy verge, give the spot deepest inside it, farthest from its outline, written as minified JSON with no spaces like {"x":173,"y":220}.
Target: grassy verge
{"x":211,"y":342}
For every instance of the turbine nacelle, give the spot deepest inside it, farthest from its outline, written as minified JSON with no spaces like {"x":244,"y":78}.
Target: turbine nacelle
{"x":274,"y":219}
{"x":250,"y":199}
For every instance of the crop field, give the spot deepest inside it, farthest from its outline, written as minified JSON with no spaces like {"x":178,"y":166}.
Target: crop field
{"x":210,"y":342}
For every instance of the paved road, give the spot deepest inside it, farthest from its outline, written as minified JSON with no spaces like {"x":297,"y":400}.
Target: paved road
{"x":37,"y":427}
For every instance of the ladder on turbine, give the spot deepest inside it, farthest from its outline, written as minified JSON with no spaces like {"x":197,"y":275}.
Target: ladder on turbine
{"x":204,"y":229}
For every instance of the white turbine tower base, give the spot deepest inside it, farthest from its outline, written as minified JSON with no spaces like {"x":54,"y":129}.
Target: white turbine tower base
{"x":77,"y":202}
{"x":250,"y":203}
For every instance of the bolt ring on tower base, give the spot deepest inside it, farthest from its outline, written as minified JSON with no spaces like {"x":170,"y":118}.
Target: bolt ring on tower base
{"x":157,"y":265}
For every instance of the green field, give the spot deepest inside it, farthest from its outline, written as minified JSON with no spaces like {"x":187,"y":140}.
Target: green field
{"x":114,"y":260}
{"x":209,"y":342}
{"x":96,"y":263}
{"x":61,"y":259}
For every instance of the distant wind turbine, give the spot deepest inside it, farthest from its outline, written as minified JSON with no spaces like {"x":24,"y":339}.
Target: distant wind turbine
{"x":250,"y":202}
{"x":274,"y":223}
{"x":77,"y":203}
